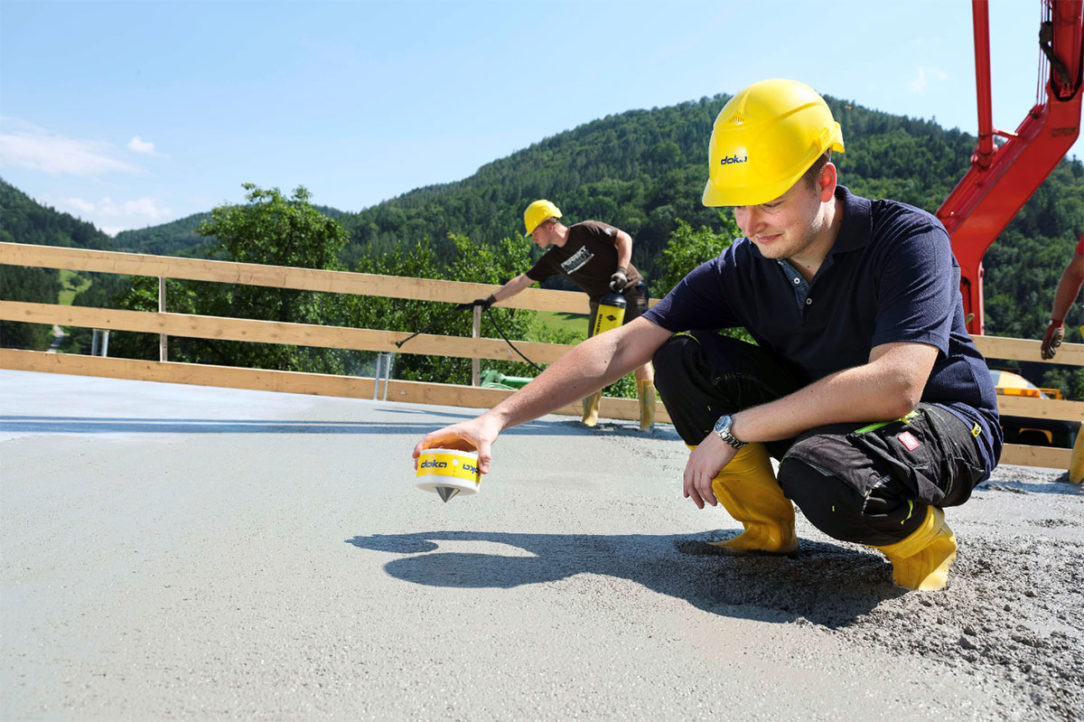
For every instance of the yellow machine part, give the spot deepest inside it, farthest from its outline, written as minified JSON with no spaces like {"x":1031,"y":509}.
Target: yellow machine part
{"x":610,"y":314}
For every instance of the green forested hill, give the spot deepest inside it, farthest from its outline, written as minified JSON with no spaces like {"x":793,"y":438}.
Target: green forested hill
{"x":179,"y":238}
{"x":24,"y":220}
{"x":644,"y":170}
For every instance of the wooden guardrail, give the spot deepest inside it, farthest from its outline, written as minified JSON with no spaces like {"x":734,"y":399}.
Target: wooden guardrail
{"x":1018,"y":349}
{"x":235,"y":329}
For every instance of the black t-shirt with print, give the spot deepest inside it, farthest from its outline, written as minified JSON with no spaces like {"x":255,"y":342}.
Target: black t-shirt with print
{"x":588,"y":258}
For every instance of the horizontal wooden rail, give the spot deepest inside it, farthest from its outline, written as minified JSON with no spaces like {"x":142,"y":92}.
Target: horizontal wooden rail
{"x":1045,"y":456}
{"x":290,"y":381}
{"x":1021,"y":349}
{"x":276,"y":332}
{"x":1036,"y":408}
{"x":304,"y":279}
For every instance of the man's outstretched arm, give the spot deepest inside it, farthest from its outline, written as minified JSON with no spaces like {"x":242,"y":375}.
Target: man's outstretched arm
{"x":593,"y":364}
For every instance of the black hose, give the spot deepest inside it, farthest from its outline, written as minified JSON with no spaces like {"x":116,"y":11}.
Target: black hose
{"x":434,"y":322}
{"x":464,"y":307}
{"x":510,"y":344}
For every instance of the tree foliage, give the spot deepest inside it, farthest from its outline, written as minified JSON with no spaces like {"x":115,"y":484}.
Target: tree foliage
{"x":23,"y":220}
{"x":30,"y":285}
{"x":469,"y":262}
{"x":269,"y":229}
{"x":688,"y":248}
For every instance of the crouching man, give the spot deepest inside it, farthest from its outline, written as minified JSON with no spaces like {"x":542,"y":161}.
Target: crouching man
{"x":863,"y":380}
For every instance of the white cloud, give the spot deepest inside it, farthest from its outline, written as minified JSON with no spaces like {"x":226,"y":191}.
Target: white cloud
{"x":146,"y":207}
{"x":920,"y":83}
{"x":112,"y":216}
{"x":80,"y":205}
{"x":139,"y":145}
{"x":56,"y":155}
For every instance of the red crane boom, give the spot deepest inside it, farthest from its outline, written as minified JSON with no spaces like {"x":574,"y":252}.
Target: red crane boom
{"x":1002,"y":178}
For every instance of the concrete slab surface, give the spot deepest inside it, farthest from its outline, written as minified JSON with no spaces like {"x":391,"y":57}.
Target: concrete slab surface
{"x":180,"y":552}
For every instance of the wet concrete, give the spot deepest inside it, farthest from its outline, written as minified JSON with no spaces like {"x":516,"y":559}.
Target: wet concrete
{"x":186,"y":552}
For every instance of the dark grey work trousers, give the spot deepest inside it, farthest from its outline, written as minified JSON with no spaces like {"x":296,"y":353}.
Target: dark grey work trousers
{"x":864,"y":483}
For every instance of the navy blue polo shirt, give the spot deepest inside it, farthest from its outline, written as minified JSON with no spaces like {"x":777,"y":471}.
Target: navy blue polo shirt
{"x":891,"y":276}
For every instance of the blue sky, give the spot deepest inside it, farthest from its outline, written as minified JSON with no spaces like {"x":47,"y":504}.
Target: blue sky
{"x":134,"y":114}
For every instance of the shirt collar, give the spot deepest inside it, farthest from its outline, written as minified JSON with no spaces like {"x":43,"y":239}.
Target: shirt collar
{"x":856,"y":227}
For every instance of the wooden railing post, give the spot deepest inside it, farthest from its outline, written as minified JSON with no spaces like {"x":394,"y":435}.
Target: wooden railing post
{"x":476,"y":332}
{"x":163,"y":343}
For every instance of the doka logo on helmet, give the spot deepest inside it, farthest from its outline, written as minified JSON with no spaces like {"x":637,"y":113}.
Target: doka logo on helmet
{"x":731,"y":159}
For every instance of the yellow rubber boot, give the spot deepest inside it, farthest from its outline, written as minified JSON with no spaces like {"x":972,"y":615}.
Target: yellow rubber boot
{"x":590,"y":408}
{"x":1076,"y":461}
{"x":921,"y":561}
{"x":746,"y":487}
{"x":646,"y":394}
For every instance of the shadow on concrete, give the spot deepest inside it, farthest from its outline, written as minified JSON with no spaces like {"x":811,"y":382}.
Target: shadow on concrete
{"x":113,"y":425}
{"x":1062,"y":485}
{"x":823,"y":583}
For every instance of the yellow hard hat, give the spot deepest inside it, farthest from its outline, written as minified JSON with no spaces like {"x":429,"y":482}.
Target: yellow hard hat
{"x":764,"y":139}
{"x":538,"y":212}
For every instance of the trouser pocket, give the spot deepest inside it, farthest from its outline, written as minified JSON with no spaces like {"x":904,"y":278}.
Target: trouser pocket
{"x":930,"y":454}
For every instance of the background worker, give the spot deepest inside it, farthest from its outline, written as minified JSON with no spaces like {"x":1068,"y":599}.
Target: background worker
{"x":1068,"y":289}
{"x":597,"y":257}
{"x":864,"y":380}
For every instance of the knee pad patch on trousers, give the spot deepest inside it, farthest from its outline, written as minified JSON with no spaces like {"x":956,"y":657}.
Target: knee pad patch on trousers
{"x":879,"y":515}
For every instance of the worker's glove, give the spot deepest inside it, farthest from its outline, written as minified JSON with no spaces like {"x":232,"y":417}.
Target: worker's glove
{"x":484,"y":302}
{"x":1053,"y":337}
{"x":619,"y":280}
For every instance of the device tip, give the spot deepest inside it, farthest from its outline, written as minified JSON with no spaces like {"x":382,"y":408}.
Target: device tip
{"x":447,"y":492}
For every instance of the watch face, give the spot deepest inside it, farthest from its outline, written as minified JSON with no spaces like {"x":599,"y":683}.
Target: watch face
{"x":722,"y":430}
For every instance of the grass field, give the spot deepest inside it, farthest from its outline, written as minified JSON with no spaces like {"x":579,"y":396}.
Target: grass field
{"x":72,"y":284}
{"x":555,"y":321}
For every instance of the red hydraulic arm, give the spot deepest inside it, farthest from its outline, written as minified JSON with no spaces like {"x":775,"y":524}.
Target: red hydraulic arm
{"x":1001,"y":179}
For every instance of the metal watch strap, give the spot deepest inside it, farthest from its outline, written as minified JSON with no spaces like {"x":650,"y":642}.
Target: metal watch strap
{"x":722,"y":430}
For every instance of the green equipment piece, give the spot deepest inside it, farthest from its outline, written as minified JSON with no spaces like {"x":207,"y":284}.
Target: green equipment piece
{"x":494,"y":379}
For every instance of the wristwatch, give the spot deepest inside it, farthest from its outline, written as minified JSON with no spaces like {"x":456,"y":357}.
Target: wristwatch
{"x":722,"y":429}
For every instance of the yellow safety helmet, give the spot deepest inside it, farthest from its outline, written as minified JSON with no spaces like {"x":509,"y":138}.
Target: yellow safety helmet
{"x":764,"y":139}
{"x":538,"y":212}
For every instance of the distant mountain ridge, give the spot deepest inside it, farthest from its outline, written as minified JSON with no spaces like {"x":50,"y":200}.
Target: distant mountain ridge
{"x":179,"y":237}
{"x":24,"y":220}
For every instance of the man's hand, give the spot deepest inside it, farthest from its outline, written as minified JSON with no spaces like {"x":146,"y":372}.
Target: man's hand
{"x":483,"y":302}
{"x":478,"y":434}
{"x":1053,"y":337}
{"x":704,"y":463}
{"x":619,"y":280}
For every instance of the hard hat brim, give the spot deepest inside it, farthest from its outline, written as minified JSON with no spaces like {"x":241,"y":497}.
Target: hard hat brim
{"x":743,"y":196}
